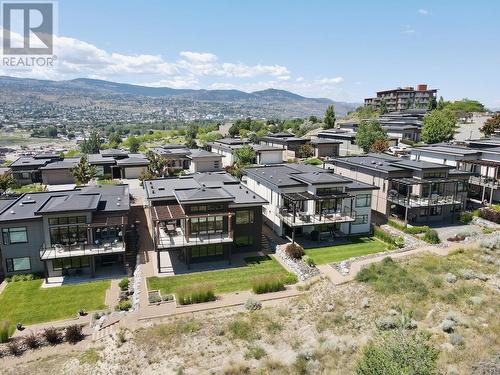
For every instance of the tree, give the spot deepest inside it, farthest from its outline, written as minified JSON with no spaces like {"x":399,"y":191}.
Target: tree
{"x":245,"y":156}
{"x":398,"y":353}
{"x":83,"y":172}
{"x":313,"y":119}
{"x":192,"y":131}
{"x":369,"y":132}
{"x":133,"y":144}
{"x":379,"y":146}
{"x":114,"y":140}
{"x":441,"y":104}
{"x":383,"y":107}
{"x":439,"y":126}
{"x":7,"y":181}
{"x":157,"y":167}
{"x":492,"y":124}
{"x":190,"y":143}
{"x":92,"y":144}
{"x":432,"y":104}
{"x":305,"y":151}
{"x":329,"y":120}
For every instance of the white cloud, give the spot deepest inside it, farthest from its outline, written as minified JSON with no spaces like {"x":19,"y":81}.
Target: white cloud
{"x":408,"y":30}
{"x":423,"y":12}
{"x":76,"y":58}
{"x":199,"y":57}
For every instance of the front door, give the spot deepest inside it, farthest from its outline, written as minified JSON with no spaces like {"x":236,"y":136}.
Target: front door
{"x":116,"y":172}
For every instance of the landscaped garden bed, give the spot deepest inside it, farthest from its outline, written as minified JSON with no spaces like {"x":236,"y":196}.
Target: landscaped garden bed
{"x":155,"y":297}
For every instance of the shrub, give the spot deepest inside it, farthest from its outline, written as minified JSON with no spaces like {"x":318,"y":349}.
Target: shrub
{"x":398,"y":353}
{"x":252,"y":304}
{"x":465,"y":217}
{"x":241,"y":329}
{"x":256,"y":352}
{"x":74,"y":334}
{"x":294,"y":251}
{"x":387,"y":238}
{"x":14,"y":348}
{"x":31,"y":341}
{"x":124,"y":305}
{"x":167,"y":297}
{"x":309,"y":261}
{"x":124,"y":284}
{"x":407,"y":229}
{"x":431,"y":236}
{"x":4,"y":331}
{"x":52,"y":335}
{"x":267,"y":284}
{"x":24,"y":277}
{"x":154,"y":299}
{"x":196,"y":294}
{"x":490,"y":214}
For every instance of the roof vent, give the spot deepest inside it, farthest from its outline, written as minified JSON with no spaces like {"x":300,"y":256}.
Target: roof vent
{"x":118,"y":204}
{"x":12,"y":212}
{"x":118,"y":199}
{"x":374,"y":162}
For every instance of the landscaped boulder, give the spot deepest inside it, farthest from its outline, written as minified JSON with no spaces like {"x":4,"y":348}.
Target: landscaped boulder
{"x":482,"y":277}
{"x":467,"y":274}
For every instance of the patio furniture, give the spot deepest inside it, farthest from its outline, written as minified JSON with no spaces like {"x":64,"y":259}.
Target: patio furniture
{"x":170,"y":228}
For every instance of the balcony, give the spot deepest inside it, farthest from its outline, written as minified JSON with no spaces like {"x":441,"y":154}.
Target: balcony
{"x":78,"y":250}
{"x":484,"y":181}
{"x":168,"y":237}
{"x":305,"y":218}
{"x":417,"y":201}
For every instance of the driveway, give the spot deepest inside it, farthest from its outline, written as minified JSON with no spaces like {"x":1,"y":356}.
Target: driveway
{"x":135,"y":189}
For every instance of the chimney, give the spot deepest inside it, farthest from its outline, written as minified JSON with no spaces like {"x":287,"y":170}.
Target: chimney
{"x":421,"y":87}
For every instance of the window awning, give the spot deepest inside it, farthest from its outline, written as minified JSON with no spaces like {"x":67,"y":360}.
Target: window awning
{"x":108,"y":221}
{"x":306,"y":196}
{"x":169,"y":212}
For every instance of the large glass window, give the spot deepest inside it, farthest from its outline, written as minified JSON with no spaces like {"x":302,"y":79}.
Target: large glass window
{"x":329,"y":191}
{"x":18,"y":264}
{"x":363,"y":200}
{"x":67,"y":263}
{"x":360,"y":219}
{"x":14,"y":235}
{"x":243,"y":240}
{"x":244,"y":217}
{"x":211,"y":224}
{"x":207,"y":251}
{"x":207,"y":208}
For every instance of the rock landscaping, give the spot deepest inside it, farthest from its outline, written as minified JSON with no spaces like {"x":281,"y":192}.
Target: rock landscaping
{"x":297,"y":265}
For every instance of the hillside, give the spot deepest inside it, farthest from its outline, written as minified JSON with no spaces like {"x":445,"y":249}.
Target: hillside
{"x":164,"y":102}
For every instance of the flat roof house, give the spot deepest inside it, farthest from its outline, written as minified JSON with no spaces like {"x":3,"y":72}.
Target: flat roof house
{"x":59,"y":172}
{"x":201,"y":217}
{"x":204,"y":161}
{"x":288,"y":141}
{"x":227,"y":147}
{"x":114,"y":163}
{"x":415,"y":191}
{"x":324,"y":147}
{"x":66,"y":232}
{"x":304,"y":200}
{"x":483,"y":164}
{"x":176,"y":156}
{"x":26,"y":169}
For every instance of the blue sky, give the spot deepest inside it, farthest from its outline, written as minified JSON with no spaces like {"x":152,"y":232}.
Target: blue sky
{"x":342,"y":50}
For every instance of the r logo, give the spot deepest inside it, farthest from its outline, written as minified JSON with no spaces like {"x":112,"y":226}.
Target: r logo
{"x":27,"y":28}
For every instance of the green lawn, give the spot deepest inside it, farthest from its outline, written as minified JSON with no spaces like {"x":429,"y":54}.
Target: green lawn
{"x":357,"y":247}
{"x":26,"y":302}
{"x":224,"y":281}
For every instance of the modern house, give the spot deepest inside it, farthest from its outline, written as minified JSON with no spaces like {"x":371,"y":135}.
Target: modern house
{"x":26,"y":169}
{"x":303,"y":200}
{"x":324,"y":147}
{"x":113,"y":163}
{"x":287,"y":141}
{"x":482,"y":163}
{"x":415,"y":191}
{"x":64,"y":233}
{"x":59,"y":172}
{"x":176,"y":156}
{"x":204,"y":161}
{"x":201,"y":217}
{"x":403,"y":98}
{"x":347,"y":141}
{"x":264,"y":154}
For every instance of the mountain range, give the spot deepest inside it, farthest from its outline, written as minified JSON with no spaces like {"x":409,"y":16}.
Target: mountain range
{"x":187,"y":103}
